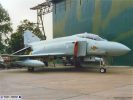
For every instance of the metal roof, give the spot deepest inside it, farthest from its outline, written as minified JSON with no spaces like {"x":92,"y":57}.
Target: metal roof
{"x":55,"y":1}
{"x":39,"y":6}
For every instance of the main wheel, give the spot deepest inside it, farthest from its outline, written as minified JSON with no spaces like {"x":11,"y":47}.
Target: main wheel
{"x":77,"y":65}
{"x":102,"y":70}
{"x":31,"y":69}
{"x":46,"y":63}
{"x":77,"y":62}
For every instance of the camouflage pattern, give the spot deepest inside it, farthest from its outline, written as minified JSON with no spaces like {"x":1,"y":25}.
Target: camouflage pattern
{"x":111,"y":19}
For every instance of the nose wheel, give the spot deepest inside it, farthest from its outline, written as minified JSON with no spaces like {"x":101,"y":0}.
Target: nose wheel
{"x":102,"y":70}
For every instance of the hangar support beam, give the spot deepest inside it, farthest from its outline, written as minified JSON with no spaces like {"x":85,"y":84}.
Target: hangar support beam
{"x":42,"y":9}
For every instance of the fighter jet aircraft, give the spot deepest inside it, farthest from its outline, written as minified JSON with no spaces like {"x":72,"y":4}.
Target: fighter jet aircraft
{"x":77,"y":48}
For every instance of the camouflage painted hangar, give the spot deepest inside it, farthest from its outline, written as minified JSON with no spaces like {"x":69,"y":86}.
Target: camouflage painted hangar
{"x":111,"y":19}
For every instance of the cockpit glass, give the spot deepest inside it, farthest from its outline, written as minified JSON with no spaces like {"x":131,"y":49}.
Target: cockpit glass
{"x":91,"y":36}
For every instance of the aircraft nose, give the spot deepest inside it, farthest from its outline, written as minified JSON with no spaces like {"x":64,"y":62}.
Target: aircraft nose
{"x":117,"y":49}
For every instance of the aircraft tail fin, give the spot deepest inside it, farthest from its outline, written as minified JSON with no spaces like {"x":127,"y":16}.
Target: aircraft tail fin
{"x":29,"y":37}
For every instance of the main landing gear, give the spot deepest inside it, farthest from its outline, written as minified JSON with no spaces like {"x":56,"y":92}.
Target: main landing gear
{"x":31,"y":69}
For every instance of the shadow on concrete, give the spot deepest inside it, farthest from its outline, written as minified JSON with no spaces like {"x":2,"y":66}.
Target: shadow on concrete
{"x":115,"y":70}
{"x":54,"y":70}
{"x":66,"y":70}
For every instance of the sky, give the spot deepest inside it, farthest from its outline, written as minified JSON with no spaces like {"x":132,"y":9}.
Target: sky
{"x":20,"y":10}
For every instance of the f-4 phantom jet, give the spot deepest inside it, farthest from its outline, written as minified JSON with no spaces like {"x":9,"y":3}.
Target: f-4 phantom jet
{"x":77,"y":49}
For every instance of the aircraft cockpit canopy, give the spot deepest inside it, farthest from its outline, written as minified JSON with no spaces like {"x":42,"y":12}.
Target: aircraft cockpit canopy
{"x":90,"y":36}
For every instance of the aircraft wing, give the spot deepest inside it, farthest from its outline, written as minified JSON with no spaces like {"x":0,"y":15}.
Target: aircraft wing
{"x":38,"y":55}
{"x":20,"y":50}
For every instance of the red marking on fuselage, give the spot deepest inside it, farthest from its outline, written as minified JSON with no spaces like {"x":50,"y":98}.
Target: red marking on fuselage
{"x":76,"y":49}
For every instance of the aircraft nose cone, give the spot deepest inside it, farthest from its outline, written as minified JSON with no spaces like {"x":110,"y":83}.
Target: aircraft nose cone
{"x":123,"y":49}
{"x":119,"y":49}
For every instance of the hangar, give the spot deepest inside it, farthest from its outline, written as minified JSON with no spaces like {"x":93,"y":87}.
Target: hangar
{"x":111,"y":19}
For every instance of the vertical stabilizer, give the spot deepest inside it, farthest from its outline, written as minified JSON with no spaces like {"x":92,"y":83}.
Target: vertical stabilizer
{"x":29,"y":37}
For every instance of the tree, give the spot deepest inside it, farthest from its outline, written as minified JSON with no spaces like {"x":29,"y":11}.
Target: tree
{"x":16,"y":41}
{"x":5,"y":26}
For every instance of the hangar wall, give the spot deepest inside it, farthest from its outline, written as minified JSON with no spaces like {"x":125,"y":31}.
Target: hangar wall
{"x":111,"y":19}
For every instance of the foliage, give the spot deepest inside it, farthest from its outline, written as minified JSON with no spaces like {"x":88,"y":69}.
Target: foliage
{"x":5,"y":26}
{"x":16,"y":41}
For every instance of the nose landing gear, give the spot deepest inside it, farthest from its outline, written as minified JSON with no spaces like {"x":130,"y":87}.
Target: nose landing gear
{"x":102,"y":70}
{"x":102,"y":64}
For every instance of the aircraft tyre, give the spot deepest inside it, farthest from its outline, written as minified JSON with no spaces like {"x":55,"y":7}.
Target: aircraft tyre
{"x":78,"y":65}
{"x":31,"y":69}
{"x":64,"y":64}
{"x":46,"y":63}
{"x":102,"y":70}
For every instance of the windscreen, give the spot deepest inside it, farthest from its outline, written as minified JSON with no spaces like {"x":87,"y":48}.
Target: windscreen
{"x":90,"y":36}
